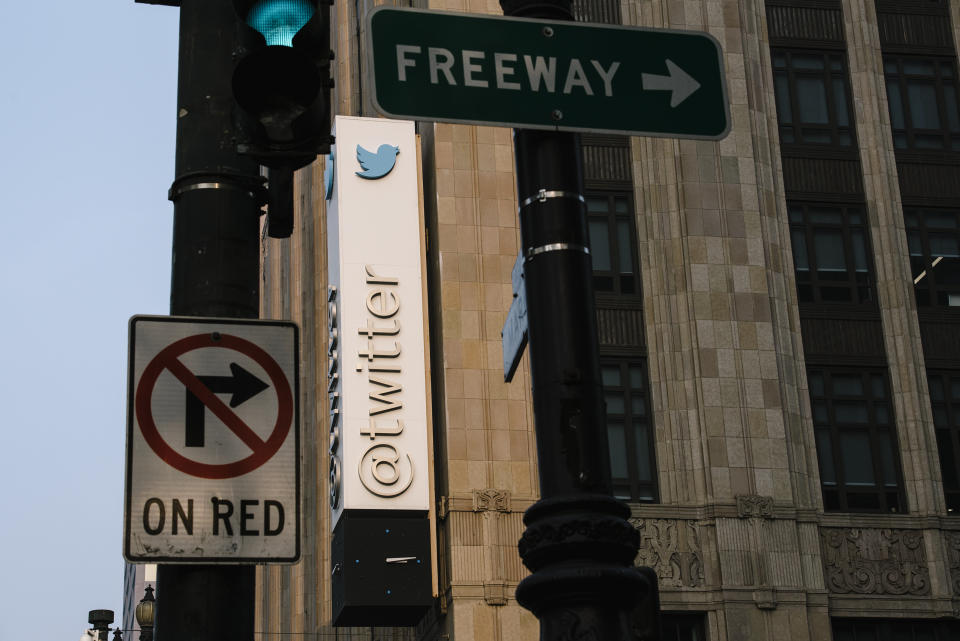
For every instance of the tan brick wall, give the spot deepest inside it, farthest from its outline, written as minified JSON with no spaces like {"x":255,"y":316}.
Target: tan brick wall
{"x":487,"y":424}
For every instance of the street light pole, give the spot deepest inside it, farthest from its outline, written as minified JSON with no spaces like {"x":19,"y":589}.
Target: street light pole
{"x":215,"y":272}
{"x":100,"y":620}
{"x":578,"y":542}
{"x":145,"y":613}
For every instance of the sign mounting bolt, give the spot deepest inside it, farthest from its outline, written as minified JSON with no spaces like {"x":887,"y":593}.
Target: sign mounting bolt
{"x":548,"y":32}
{"x":556,"y":114}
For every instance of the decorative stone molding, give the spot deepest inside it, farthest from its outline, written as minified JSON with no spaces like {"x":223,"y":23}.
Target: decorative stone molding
{"x":491,"y":500}
{"x":953,"y":559}
{"x":754,"y":505}
{"x":874,"y":561}
{"x":766,"y":599}
{"x":495,"y":593}
{"x":672,"y":548}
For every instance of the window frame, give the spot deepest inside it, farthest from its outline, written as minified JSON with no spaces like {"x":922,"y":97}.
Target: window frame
{"x":862,"y":290}
{"x":631,"y":488}
{"x":692,"y":625}
{"x":947,"y":430}
{"x":611,"y":218}
{"x":849,"y":629}
{"x":950,"y":139}
{"x":926,"y":279}
{"x":913,"y":5}
{"x":887,"y":493}
{"x":832,"y":128}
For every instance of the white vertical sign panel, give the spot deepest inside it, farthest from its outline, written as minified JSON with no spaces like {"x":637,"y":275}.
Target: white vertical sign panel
{"x":377,"y":379}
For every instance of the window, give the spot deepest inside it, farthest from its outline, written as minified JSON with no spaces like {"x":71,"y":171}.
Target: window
{"x":856,"y":440}
{"x":830,"y":251}
{"x":911,"y":6}
{"x":934,"y":239}
{"x":678,"y":626}
{"x":812,"y":98}
{"x":613,"y":242}
{"x":894,"y":630}
{"x":922,"y":98}
{"x":629,"y":430}
{"x":945,"y":402}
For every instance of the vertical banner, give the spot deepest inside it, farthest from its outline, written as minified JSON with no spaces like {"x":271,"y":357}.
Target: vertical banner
{"x":377,"y":379}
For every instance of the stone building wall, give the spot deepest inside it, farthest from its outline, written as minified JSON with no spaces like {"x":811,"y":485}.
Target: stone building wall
{"x":739,"y":533}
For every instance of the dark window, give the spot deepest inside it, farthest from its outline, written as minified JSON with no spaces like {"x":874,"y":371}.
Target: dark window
{"x":895,"y":630}
{"x":910,"y":6}
{"x":830,"y":253}
{"x":629,"y":430}
{"x":922,"y":97}
{"x":856,"y":440}
{"x":945,"y":402}
{"x":683,"y":627}
{"x":812,"y":98}
{"x":934,"y":239}
{"x":613,"y":242}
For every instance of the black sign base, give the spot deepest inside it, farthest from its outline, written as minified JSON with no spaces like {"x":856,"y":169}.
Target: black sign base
{"x":381,"y":569}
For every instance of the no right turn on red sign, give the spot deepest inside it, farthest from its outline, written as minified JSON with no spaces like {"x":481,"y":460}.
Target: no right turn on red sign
{"x":212,"y":441}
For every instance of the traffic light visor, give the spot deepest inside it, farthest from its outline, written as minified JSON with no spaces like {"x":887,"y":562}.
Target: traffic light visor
{"x":280,"y":20}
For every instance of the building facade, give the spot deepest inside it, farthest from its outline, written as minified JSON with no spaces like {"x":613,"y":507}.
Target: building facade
{"x":778,"y":317}
{"x":136,"y":578}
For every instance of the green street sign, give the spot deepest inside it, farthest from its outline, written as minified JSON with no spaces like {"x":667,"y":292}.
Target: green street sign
{"x":546,"y":74}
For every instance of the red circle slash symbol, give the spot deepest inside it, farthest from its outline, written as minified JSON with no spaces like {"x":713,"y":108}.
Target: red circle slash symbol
{"x":168,"y":359}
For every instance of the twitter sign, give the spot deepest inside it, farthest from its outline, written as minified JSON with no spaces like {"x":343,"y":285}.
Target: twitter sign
{"x":377,"y":379}
{"x":379,"y":164}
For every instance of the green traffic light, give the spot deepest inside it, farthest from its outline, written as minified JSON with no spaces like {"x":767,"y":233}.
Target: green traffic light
{"x":280,"y":20}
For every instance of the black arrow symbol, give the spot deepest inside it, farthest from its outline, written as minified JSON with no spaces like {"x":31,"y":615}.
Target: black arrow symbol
{"x":241,"y":384}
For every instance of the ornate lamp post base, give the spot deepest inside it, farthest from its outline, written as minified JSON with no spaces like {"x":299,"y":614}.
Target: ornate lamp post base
{"x":581,"y":548}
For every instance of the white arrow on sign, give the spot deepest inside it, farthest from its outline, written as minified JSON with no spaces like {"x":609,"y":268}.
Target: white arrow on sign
{"x":679,"y":82}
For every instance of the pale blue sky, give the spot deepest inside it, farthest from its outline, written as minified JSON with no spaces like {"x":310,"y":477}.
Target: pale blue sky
{"x":87,"y":126}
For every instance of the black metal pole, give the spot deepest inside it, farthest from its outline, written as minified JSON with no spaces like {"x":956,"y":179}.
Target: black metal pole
{"x":578,"y":542}
{"x":215,"y":272}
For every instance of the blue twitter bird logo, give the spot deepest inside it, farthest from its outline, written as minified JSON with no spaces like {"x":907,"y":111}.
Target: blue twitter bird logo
{"x":377,"y":165}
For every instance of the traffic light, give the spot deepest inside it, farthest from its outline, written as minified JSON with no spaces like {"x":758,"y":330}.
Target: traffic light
{"x":281,"y":84}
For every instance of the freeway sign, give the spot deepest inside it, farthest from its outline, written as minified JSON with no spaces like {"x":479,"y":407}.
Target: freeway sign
{"x":545,"y":74}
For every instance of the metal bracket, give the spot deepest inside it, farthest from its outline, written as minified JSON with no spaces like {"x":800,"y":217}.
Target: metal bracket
{"x":255,"y":186}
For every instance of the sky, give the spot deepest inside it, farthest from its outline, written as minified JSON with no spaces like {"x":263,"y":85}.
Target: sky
{"x":87,"y":133}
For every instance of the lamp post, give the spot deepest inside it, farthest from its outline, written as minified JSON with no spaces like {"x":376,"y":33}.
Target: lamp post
{"x":578,"y":543}
{"x":144,"y":613}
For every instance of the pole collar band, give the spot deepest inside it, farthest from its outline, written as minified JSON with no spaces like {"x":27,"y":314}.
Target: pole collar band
{"x":543,"y":195}
{"x":254,"y":186}
{"x":555,"y":247}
